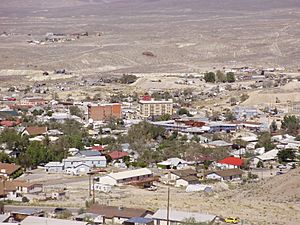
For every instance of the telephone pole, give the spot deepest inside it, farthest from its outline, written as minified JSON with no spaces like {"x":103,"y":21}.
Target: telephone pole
{"x":168,"y":207}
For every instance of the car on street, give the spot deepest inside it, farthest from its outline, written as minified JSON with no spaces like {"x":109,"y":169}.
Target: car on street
{"x":232,"y":220}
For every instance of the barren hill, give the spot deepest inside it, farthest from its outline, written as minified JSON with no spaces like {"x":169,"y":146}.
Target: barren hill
{"x":189,"y":35}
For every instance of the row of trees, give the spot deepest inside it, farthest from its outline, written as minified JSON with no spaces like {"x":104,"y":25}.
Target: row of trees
{"x":31,"y":154}
{"x":219,"y":76}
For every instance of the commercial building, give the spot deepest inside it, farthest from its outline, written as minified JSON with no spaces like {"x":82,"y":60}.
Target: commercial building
{"x":151,"y":107}
{"x":125,"y":177}
{"x":104,"y":112}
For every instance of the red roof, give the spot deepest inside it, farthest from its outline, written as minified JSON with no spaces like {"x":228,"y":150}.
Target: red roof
{"x":8,"y":123}
{"x":146,"y":98}
{"x":232,"y":161}
{"x":117,"y":154}
{"x":97,"y":148}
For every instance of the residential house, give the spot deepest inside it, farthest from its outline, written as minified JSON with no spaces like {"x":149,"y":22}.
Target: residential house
{"x":139,"y":221}
{"x":179,"y":217}
{"x":180,"y":178}
{"x":225,"y":175}
{"x":21,"y":214}
{"x":76,"y":164}
{"x":117,"y":156}
{"x":267,"y":158}
{"x":91,"y":217}
{"x":126,"y":177}
{"x":198,"y":188}
{"x":9,"y":170}
{"x":91,"y":161}
{"x":117,"y":215}
{"x":173,"y":163}
{"x":34,"y":131}
{"x":35,"y":220}
{"x":24,"y":187}
{"x":230,"y":163}
{"x":54,"y":167}
{"x":88,"y":153}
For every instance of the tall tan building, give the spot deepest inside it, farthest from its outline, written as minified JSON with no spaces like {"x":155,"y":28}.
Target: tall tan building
{"x":104,"y":112}
{"x":151,"y":107}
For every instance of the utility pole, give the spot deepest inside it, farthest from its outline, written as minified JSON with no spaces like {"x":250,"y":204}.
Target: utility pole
{"x":93,"y":191}
{"x":168,"y":207}
{"x":90,"y":183}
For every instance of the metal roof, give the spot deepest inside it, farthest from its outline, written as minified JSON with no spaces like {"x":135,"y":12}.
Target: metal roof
{"x":33,"y":220}
{"x":130,"y":173}
{"x":180,"y":216}
{"x":139,"y":220}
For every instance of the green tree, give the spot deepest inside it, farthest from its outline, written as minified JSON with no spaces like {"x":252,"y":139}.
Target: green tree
{"x":244,"y":97}
{"x":210,"y":77}
{"x":74,"y":110}
{"x":229,"y":116}
{"x":286,"y":155}
{"x":183,"y":111}
{"x":230,"y":77}
{"x":164,"y":117}
{"x":290,"y":124}
{"x":13,"y":140}
{"x":264,"y":140}
{"x":273,"y":126}
{"x":220,"y":76}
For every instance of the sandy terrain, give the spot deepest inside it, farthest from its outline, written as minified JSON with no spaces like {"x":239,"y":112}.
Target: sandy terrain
{"x":183,"y":36}
{"x":271,"y":201}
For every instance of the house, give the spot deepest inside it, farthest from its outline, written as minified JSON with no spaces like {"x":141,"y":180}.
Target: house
{"x":181,"y":177}
{"x":9,"y":170}
{"x":266,"y":158}
{"x":225,"y":175}
{"x":24,"y":187}
{"x":113,"y":214}
{"x":126,"y":177}
{"x":139,"y":221}
{"x":91,"y":217}
{"x":54,"y":167}
{"x":8,"y":191}
{"x":34,"y":131}
{"x":198,"y":188}
{"x":21,"y":214}
{"x":117,"y":156}
{"x":79,"y":169}
{"x":180,"y":217}
{"x":173,"y":163}
{"x":91,"y":161}
{"x":88,"y":153}
{"x":102,"y":187}
{"x":219,"y":144}
{"x":58,"y":195}
{"x":76,"y":164}
{"x":230,"y":163}
{"x":35,"y":220}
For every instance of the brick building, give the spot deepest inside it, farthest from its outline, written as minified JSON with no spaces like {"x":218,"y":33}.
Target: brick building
{"x":104,"y":112}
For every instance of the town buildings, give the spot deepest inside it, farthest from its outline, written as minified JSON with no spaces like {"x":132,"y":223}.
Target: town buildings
{"x":104,"y":112}
{"x":149,"y":107}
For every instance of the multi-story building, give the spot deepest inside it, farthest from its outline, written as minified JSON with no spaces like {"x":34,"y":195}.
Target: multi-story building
{"x":151,"y":107}
{"x":104,"y":112}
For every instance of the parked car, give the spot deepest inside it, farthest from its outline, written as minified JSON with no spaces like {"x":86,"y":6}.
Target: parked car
{"x":152,"y":188}
{"x":232,"y":220}
{"x":60,"y":211}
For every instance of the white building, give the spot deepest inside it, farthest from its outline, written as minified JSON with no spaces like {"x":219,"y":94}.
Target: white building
{"x":126,"y":176}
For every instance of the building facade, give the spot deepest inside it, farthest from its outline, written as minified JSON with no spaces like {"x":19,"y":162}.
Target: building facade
{"x":152,"y":107}
{"x":104,"y":112}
